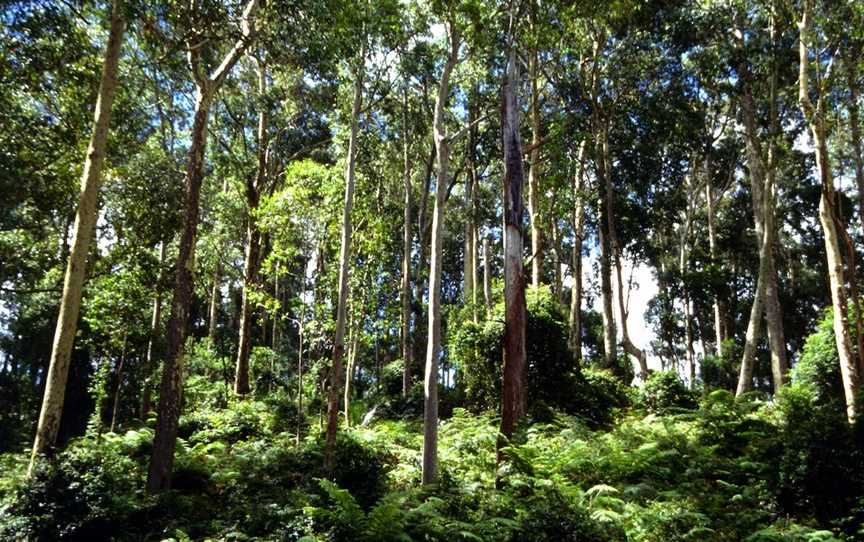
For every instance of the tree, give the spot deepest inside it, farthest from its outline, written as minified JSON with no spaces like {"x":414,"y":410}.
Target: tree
{"x":76,"y":266}
{"x":433,"y":348}
{"x":832,"y":227}
{"x":206,"y":87}
{"x":513,"y":378}
{"x":252,"y":261}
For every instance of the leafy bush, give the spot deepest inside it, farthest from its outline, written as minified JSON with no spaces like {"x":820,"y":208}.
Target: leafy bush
{"x":554,"y":381}
{"x":664,"y":390}
{"x":87,"y":493}
{"x":818,"y":369}
{"x":820,"y":464}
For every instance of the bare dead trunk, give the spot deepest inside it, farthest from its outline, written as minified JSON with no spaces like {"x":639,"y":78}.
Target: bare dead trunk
{"x":433,"y":349}
{"x":76,"y":265}
{"x":344,"y":269}
{"x":513,"y":379}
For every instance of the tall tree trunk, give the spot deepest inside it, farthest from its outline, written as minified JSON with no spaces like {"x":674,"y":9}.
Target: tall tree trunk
{"x":610,"y":346}
{"x":433,"y":349}
{"x":828,"y":216}
{"x":76,"y":265}
{"x":688,"y":337}
{"x":513,"y":379}
{"x":556,"y":261}
{"x":253,"y":243}
{"x":719,"y":335}
{"x":277,"y":317}
{"x":300,"y":371}
{"x":470,"y":263}
{"x":213,"y":312}
{"x":423,"y":226}
{"x":615,"y":246}
{"x":349,"y":369}
{"x":599,"y":128}
{"x":170,"y":391}
{"x":487,"y":276}
{"x":773,"y":313}
{"x":407,"y":346}
{"x":165,"y":439}
{"x":533,"y":179}
{"x":149,"y":361}
{"x":575,"y":336}
{"x":344,"y":269}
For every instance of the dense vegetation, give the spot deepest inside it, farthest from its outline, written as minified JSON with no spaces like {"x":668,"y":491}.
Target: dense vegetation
{"x":395,"y":270}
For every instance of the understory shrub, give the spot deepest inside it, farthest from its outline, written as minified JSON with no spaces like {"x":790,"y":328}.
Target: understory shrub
{"x":664,"y":391}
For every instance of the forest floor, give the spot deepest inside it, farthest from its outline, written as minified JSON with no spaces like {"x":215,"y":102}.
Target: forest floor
{"x":713,"y":473}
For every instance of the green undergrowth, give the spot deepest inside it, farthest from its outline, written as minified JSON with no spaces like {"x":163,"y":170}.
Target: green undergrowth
{"x":716,"y":472}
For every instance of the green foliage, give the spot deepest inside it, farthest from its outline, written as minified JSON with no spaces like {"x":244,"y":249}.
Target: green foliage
{"x":665,"y":391}
{"x":818,"y":368}
{"x":819,"y":467}
{"x":554,"y":381}
{"x":89,"y":491}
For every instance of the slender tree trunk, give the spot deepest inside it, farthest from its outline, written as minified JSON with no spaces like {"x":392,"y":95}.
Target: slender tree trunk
{"x":487,"y":276}
{"x":116,"y":406}
{"x":773,"y":312}
{"x":253,"y":244}
{"x":277,"y":316}
{"x":215,"y":300}
{"x":300,"y":371}
{"x":828,"y":216}
{"x":149,"y":362}
{"x":344,"y":269}
{"x":610,"y":346}
{"x":349,"y":371}
{"x":719,"y":336}
{"x":513,"y":400}
{"x":576,"y":263}
{"x":76,"y":265}
{"x":162,"y":459}
{"x":615,"y":246}
{"x":688,"y":337}
{"x":423,"y":226}
{"x":556,"y":262}
{"x":470,"y":263}
{"x":433,"y":350}
{"x":533,"y":179}
{"x":407,"y":346}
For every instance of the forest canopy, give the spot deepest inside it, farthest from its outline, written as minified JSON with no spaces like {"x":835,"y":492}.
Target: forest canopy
{"x":522,"y":270}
